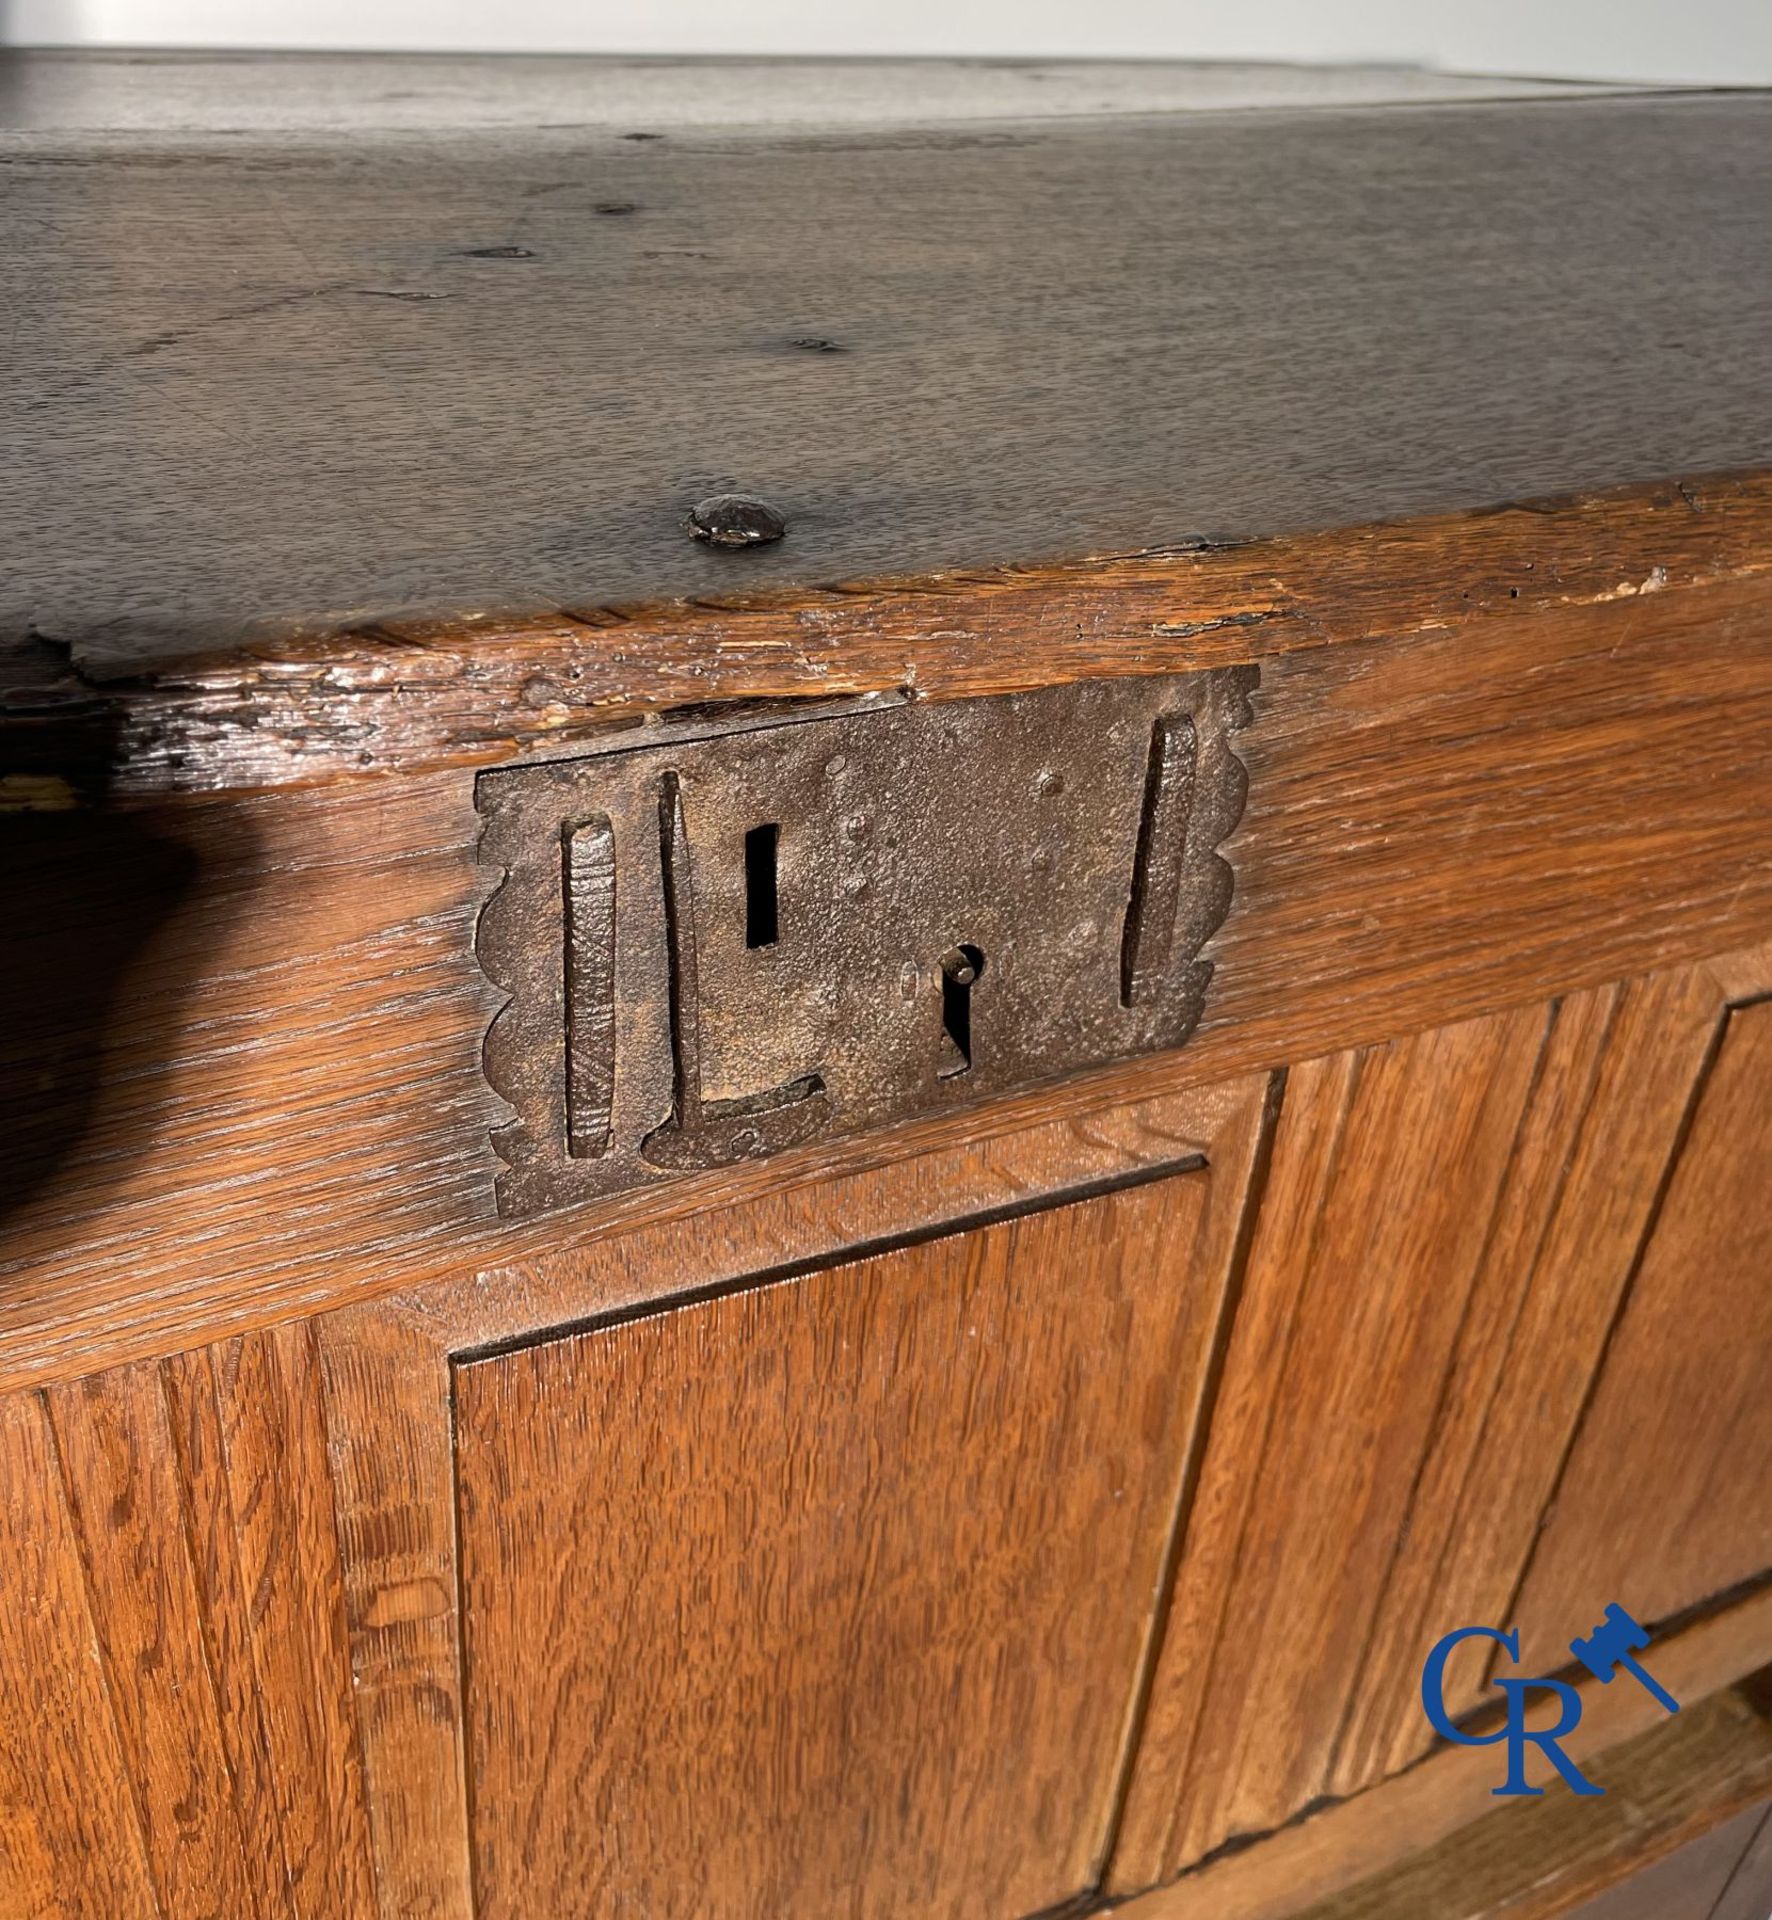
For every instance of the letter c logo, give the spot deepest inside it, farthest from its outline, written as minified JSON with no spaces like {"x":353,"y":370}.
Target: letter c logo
{"x":1433,"y":1683}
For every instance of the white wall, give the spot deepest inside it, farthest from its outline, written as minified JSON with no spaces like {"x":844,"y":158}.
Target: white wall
{"x":1727,"y":41}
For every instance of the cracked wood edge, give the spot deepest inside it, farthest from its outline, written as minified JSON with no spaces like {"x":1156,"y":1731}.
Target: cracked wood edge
{"x":467,"y":693}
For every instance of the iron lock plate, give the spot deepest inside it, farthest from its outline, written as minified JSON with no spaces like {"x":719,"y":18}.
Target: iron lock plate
{"x":716,"y":948}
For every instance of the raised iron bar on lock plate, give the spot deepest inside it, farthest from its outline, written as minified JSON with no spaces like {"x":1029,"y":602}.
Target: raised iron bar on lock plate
{"x":720,"y":946}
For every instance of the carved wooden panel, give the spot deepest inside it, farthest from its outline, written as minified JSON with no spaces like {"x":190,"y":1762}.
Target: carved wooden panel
{"x":841,"y":1583}
{"x":723,"y":945}
{"x":1448,"y":1223}
{"x":1667,"y":1500}
{"x":233,"y":1681}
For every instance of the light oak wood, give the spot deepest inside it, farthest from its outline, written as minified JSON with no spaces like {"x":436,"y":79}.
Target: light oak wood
{"x":181,"y":1731}
{"x":388,"y":1367}
{"x":1745,"y":974}
{"x":1619,"y":1071}
{"x":1448,"y":1227}
{"x":1679,"y":1807}
{"x":1667,"y":1499}
{"x":833,"y":1588}
{"x":292,"y":1497}
{"x":273,"y":1437}
{"x":72,"y":1843}
{"x":267,"y":1783}
{"x":297,"y":1054}
{"x":253,"y":1582}
{"x":1346,"y":1842}
{"x":392,"y":1449}
{"x":127,"y":1502}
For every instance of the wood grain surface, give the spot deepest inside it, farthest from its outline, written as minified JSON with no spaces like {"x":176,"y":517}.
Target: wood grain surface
{"x":410,"y":695}
{"x":1680,"y":1806}
{"x":272,"y":1427}
{"x":72,"y":1841}
{"x":837,"y":1584}
{"x":180,"y":1732}
{"x":125,"y":1492}
{"x":392,"y":1451}
{"x":1437,"y":826}
{"x":1448,"y":1227}
{"x":1385,"y":1173}
{"x":1667,"y":1499}
{"x":280,"y":1509}
{"x":1021,"y":1507}
{"x":1619,"y":1071}
{"x":389,"y":1413}
{"x":383,"y":371}
{"x":1340,"y":1844}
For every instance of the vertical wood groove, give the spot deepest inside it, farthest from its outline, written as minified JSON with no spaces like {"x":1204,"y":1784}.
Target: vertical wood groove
{"x":273,"y":1448}
{"x":463,"y":1759}
{"x":385,"y":1382}
{"x":1577,"y":1189}
{"x":1349,"y":1093}
{"x":1670,"y":1166}
{"x":1332,"y":1755}
{"x":1253,"y":1187}
{"x":188,"y":1389}
{"x":1540,"y":1240}
{"x":238,"y":1721}
{"x":463,"y":1670}
{"x":101,"y":1651}
{"x":1661,"y":1499}
{"x":309,"y":1336}
{"x":1379,"y":1214}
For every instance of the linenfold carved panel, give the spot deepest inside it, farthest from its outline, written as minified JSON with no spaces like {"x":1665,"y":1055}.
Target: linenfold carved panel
{"x":720,"y":944}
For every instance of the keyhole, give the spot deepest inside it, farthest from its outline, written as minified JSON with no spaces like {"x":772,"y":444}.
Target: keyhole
{"x":759,"y":885}
{"x":960,"y":968}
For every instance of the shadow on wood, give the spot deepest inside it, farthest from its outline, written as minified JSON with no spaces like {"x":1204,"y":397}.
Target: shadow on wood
{"x":89,"y":883}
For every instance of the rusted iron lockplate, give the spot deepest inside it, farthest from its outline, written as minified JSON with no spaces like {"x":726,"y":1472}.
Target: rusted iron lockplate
{"x":719,"y":947}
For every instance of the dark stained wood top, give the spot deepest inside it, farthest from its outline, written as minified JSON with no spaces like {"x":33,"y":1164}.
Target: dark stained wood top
{"x":372,"y":355}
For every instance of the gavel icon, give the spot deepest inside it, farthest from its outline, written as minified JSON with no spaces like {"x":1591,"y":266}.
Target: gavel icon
{"x":1608,"y":1648}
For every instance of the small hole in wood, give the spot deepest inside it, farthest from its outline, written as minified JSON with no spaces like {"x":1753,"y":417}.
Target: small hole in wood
{"x":760,"y":921}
